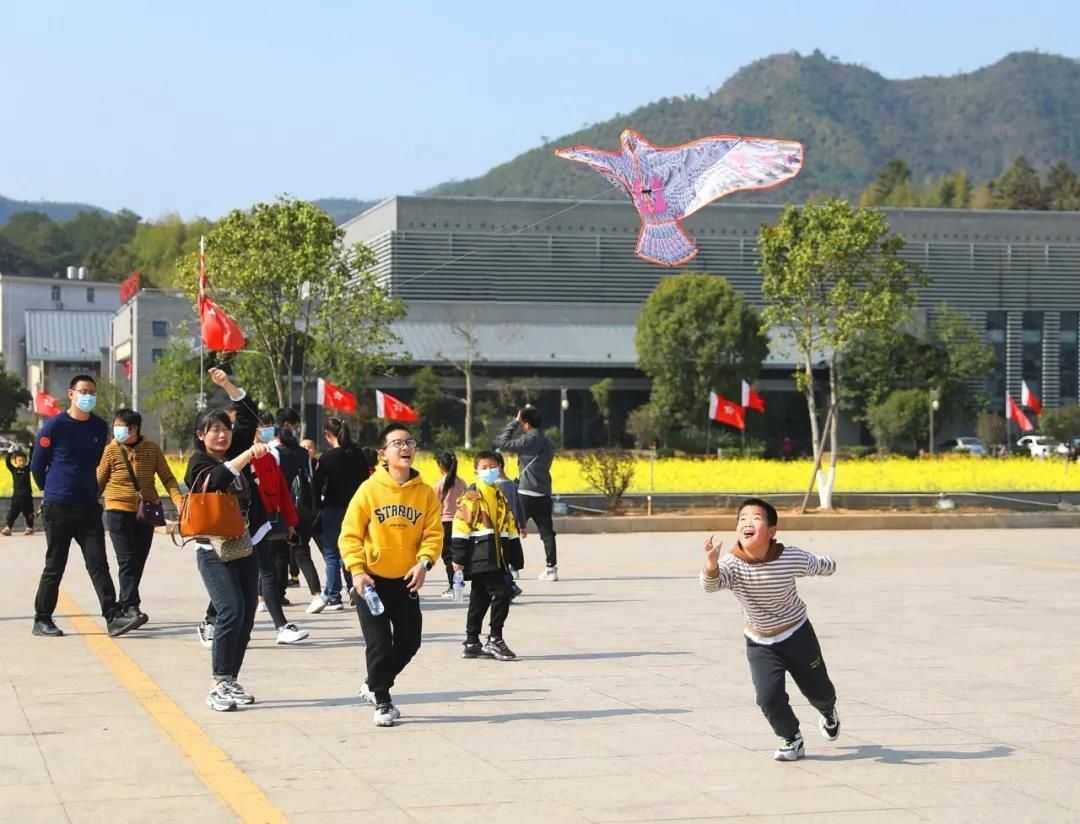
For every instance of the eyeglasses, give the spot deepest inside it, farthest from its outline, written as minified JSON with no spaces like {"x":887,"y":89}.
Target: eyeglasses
{"x":400,"y":444}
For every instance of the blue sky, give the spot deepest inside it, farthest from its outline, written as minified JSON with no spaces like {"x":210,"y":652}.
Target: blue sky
{"x":204,"y":107}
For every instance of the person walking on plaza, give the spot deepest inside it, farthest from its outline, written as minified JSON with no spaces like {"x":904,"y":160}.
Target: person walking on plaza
{"x":535,"y":453}
{"x":339,"y":474}
{"x":485,"y":547}
{"x":448,"y":488}
{"x":22,"y":497}
{"x":390,"y":538}
{"x":761,"y":573}
{"x":221,"y":462}
{"x":296,"y":466}
{"x":66,"y":455}
{"x":126,"y":477}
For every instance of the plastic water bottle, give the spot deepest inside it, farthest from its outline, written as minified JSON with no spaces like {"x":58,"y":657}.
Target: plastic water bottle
{"x":459,"y":587}
{"x":373,"y":601}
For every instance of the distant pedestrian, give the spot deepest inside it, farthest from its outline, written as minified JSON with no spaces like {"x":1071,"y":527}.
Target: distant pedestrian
{"x":67,"y":452}
{"x":448,"y":489}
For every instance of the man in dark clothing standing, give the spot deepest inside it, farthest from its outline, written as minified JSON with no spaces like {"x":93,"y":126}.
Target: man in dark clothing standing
{"x":22,"y":498}
{"x":535,"y":454}
{"x":66,"y":454}
{"x":295,"y":463}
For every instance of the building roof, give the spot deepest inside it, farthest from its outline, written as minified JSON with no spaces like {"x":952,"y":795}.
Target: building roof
{"x":57,"y":335}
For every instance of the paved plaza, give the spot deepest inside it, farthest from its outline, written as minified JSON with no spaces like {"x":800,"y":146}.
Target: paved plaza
{"x":954,"y":654}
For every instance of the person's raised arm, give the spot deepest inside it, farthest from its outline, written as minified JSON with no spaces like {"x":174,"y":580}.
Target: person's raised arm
{"x":41,"y":457}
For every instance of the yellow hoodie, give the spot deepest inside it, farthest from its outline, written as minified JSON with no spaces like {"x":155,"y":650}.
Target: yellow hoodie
{"x":389,"y":527}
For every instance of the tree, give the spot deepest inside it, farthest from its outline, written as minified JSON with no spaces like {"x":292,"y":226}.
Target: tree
{"x":902,"y":420}
{"x":111,"y":395}
{"x":306,"y":303}
{"x":13,"y":395}
{"x":463,"y":362}
{"x":601,"y":395}
{"x":173,"y":391}
{"x":1018,"y":187}
{"x":610,"y":472}
{"x":695,"y":334}
{"x":1062,"y":423}
{"x":830,"y":272}
{"x":647,"y":425}
{"x":991,"y":429}
{"x":1062,"y":188}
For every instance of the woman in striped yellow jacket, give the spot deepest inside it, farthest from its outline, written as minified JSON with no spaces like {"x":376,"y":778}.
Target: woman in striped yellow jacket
{"x":131,"y":537}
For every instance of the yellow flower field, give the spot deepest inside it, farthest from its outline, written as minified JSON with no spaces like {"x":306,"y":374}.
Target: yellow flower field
{"x":951,"y":474}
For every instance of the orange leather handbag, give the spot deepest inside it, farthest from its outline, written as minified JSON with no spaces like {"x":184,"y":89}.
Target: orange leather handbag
{"x":211,"y":514}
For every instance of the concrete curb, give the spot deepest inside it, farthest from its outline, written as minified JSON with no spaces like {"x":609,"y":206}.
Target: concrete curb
{"x":882,"y":520}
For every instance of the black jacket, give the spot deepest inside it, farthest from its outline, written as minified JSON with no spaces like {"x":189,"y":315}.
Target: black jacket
{"x":20,"y":479}
{"x":338,"y":476}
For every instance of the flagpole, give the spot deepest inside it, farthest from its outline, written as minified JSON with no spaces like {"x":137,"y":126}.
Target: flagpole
{"x":708,"y":435}
{"x":202,"y":348}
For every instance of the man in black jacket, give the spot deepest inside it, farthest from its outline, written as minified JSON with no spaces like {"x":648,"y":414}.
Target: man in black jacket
{"x":295,"y":463}
{"x":535,"y":453}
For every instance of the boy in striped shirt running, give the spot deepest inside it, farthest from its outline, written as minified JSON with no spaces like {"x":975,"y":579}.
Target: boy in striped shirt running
{"x":761,"y":573}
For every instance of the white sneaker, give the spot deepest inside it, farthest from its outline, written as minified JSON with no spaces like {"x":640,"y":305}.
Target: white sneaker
{"x":791,"y":750}
{"x":549,"y":574}
{"x":385,"y":715}
{"x":317,"y":605}
{"x":291,"y":634}
{"x":366,"y":695}
{"x":830,"y":725}
{"x":261,"y":607}
{"x":206,"y":634}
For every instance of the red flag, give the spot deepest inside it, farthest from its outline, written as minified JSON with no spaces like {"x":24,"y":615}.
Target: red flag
{"x":390,"y":408}
{"x":725,"y":411}
{"x":219,"y":332}
{"x":46,"y":405}
{"x":334,"y":397}
{"x":1029,"y":398}
{"x":751,"y":399}
{"x":1016,"y":414}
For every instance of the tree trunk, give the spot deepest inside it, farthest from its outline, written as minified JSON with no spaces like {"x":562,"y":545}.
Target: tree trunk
{"x":468,"y":405}
{"x":827,"y":479}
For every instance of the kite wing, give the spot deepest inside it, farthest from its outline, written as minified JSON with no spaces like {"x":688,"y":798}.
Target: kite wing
{"x":698,"y":173}
{"x":615,"y":166}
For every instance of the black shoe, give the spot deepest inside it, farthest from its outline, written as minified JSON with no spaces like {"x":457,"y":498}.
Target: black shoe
{"x":496,"y":648}
{"x":292,"y":582}
{"x":474,"y":649}
{"x":47,"y":628}
{"x":138,"y":615}
{"x":122,"y":622}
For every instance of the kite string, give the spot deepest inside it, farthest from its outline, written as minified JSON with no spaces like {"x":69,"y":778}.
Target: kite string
{"x":532,"y":225}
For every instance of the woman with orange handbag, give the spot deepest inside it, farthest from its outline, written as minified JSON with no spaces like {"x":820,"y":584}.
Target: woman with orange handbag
{"x":230,"y":572}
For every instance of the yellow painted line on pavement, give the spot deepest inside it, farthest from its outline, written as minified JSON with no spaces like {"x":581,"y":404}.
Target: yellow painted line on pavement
{"x":238,"y":792}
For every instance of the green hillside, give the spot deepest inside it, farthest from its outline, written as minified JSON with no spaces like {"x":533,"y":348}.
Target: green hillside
{"x":851,"y":119}
{"x":55,"y":210}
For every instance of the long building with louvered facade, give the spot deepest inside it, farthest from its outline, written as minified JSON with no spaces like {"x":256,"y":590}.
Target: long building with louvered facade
{"x":550,"y":289}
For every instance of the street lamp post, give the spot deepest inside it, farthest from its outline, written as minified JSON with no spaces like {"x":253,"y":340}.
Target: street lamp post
{"x":935,"y":405}
{"x":564,"y":404}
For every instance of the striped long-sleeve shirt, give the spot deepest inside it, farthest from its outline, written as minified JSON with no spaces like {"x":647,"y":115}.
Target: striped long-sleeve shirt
{"x":766,"y":592}
{"x":147,"y":461}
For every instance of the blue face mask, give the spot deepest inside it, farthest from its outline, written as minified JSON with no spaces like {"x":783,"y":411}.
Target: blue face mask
{"x":266,"y":434}
{"x":86,"y":402}
{"x":121,"y":433}
{"x":487,"y":476}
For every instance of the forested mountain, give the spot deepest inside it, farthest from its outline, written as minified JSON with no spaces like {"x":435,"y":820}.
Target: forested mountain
{"x":56,"y":211}
{"x":852,"y":120}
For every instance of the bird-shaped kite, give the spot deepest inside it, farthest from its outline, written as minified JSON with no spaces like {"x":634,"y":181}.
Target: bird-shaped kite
{"x":667,"y":184}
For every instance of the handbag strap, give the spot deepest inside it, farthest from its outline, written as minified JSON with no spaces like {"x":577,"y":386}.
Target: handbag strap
{"x":131,"y":472}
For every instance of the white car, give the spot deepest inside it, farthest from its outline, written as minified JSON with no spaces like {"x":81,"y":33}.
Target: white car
{"x":1040,"y":446}
{"x":968,"y":444}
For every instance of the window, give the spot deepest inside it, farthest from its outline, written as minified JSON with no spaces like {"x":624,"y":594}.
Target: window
{"x":89,"y":294}
{"x":161,"y":328}
{"x":1067,"y":359}
{"x":1031,"y":351}
{"x":995,"y":336}
{"x":56,"y":294}
{"x":157,"y":354}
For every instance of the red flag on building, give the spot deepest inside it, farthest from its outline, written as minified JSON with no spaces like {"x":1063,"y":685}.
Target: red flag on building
{"x":330,"y":396}
{"x":725,"y":411}
{"x":751,"y":399}
{"x":390,"y":408}
{"x":1029,"y":398}
{"x":1016,"y":414}
{"x":219,"y":332}
{"x":46,"y":405}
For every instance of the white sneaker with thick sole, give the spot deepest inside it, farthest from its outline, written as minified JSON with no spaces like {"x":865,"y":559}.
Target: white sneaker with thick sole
{"x":291,"y":634}
{"x":386,"y":715}
{"x":549,"y":574}
{"x":830,"y":725}
{"x":261,"y":607}
{"x":317,"y":605}
{"x":206,"y":634}
{"x":219,"y":699}
{"x":791,"y":750}
{"x":368,"y":697}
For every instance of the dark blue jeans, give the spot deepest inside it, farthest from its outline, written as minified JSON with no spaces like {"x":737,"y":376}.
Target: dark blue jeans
{"x":332,"y":517}
{"x":234,"y":590}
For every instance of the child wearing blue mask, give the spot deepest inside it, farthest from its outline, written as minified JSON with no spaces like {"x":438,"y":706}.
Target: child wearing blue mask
{"x":485,"y":545}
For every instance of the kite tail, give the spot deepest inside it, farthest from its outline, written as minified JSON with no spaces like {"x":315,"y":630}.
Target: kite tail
{"x":665,"y":243}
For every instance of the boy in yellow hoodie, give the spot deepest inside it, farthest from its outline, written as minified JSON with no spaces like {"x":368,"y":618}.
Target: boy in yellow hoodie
{"x":391,"y":536}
